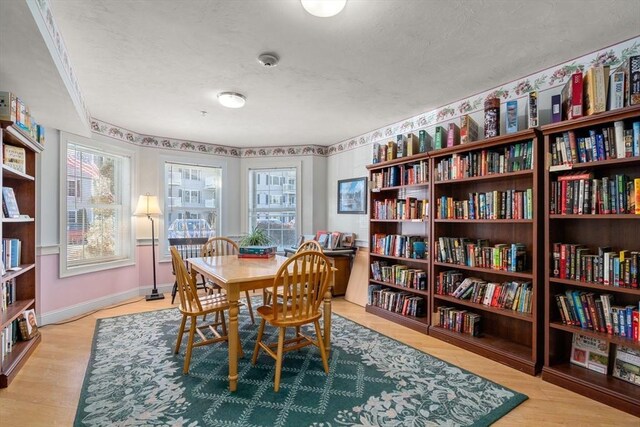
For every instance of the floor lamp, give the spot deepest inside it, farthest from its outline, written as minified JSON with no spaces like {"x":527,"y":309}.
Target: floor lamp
{"x":148,"y":206}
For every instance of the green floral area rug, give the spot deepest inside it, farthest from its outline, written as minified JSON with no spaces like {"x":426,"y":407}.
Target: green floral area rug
{"x":135,"y":379}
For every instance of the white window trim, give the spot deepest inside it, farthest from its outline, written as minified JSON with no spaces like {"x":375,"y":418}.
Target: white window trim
{"x":272,"y":164}
{"x":113,"y":147}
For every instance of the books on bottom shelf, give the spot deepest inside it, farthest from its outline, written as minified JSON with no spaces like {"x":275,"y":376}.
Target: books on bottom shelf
{"x":23,"y":328}
{"x":590,"y":352}
{"x":459,"y":320}
{"x":626,"y":364}
{"x":7,"y":294}
{"x":399,"y":274}
{"x":11,"y":250}
{"x":404,"y":303}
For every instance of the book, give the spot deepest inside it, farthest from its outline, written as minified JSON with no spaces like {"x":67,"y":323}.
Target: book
{"x":572,"y":97}
{"x":335,"y":240}
{"x":28,"y":325}
{"x":440,"y":138}
{"x":533,"y":109}
{"x":634,"y":80}
{"x":375,"y":158}
{"x":595,"y":82}
{"x":626,"y":364}
{"x":8,"y":106}
{"x":512,"y":116}
{"x":589,"y":352}
{"x":556,"y":108}
{"x":348,"y":240}
{"x":453,"y":135}
{"x":401,"y":146}
{"x":491,"y":117}
{"x":9,"y":203}
{"x":424,"y":141}
{"x":616,"y":90}
{"x":14,"y":157}
{"x":468,"y":129}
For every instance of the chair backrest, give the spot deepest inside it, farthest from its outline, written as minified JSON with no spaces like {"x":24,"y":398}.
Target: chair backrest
{"x":187,"y":247}
{"x":304,"y":279}
{"x":309,"y":245}
{"x":218,"y":246}
{"x":189,"y":300}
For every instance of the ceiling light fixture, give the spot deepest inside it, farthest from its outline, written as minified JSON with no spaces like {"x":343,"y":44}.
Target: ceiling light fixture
{"x":323,"y":8}
{"x":231,"y":99}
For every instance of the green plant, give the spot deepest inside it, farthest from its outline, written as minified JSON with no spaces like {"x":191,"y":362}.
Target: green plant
{"x":257,"y":237}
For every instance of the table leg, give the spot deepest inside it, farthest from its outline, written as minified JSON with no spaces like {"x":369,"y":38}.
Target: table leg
{"x":233,"y":295}
{"x":327,"y":321}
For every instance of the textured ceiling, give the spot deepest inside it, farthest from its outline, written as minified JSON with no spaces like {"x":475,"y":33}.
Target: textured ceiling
{"x":152,"y":66}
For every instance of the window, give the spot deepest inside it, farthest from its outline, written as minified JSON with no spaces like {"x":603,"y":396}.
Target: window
{"x":273,"y":214}
{"x":191,"y":208}
{"x":97,"y":221}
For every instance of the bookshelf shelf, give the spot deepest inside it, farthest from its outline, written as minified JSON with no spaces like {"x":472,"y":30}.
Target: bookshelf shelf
{"x":491,"y":177}
{"x":399,"y":220}
{"x":419,"y":324}
{"x":402,"y":288}
{"x":397,"y":258}
{"x":510,"y":337}
{"x":401,"y":187}
{"x":24,"y":230}
{"x":603,"y":288}
{"x":519,"y":274}
{"x":398,"y":161}
{"x":501,"y":311}
{"x":617,"y":232}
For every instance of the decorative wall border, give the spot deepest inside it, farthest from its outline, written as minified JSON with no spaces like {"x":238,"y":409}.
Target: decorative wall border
{"x":540,"y":81}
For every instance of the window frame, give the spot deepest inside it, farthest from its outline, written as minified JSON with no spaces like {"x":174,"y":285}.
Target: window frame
{"x":113,"y":148}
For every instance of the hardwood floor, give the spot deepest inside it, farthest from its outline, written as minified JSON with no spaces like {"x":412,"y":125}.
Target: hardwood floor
{"x":47,"y":389}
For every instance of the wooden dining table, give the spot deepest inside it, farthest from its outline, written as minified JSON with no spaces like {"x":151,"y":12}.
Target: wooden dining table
{"x":236,"y":275}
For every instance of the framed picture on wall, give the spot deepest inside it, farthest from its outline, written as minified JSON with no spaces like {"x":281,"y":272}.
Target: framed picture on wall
{"x":352,"y":196}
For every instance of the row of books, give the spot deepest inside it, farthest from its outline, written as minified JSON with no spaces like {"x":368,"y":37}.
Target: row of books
{"x":610,"y":143}
{"x":393,"y":176}
{"x":407,"y":208}
{"x":11,"y":252}
{"x":7,"y":294}
{"x":597,"y":312}
{"x":400,"y":275}
{"x":515,"y":157}
{"x":399,"y":245}
{"x":9,"y":203}
{"x":608,"y":267}
{"x":8,"y":338}
{"x":14,"y":109}
{"x":594,"y":354}
{"x":404,"y":303}
{"x":459,"y":320}
{"x":510,"y":204}
{"x":463,"y":251}
{"x":452,"y":135}
{"x":403,"y":146}
{"x":515,"y":295}
{"x":582,"y":194}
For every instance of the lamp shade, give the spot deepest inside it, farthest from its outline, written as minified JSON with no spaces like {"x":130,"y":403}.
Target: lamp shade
{"x":147,"y":205}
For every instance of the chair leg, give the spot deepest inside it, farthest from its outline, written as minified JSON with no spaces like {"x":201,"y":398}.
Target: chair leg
{"x":187,"y":357}
{"x":174,"y":291}
{"x":279,"y":355}
{"x":220,"y":318}
{"x":180,"y":333}
{"x":256,"y":350}
{"x":323,"y":354}
{"x":253,"y":321}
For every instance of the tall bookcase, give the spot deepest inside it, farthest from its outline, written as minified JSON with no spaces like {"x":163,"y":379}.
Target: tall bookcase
{"x":411,"y":186}
{"x":591,"y":231}
{"x":507,"y":335}
{"x":24,"y":229}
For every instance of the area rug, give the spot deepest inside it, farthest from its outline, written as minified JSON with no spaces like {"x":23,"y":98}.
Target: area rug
{"x":135,"y":379}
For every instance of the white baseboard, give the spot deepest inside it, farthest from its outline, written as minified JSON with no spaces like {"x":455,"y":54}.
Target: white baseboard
{"x":63,"y":314}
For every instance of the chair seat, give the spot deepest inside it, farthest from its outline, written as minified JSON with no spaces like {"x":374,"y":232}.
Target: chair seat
{"x":212,"y":302}
{"x":267,"y":313}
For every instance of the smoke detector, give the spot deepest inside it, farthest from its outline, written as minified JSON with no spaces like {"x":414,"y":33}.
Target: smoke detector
{"x":268,"y":60}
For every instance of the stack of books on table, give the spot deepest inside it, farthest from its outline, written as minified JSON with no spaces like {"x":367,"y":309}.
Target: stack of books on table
{"x":257,"y":251}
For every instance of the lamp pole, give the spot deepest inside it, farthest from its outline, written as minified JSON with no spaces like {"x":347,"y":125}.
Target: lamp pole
{"x":155,"y":295}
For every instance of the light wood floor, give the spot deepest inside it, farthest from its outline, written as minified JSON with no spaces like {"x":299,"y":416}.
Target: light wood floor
{"x":47,"y":389}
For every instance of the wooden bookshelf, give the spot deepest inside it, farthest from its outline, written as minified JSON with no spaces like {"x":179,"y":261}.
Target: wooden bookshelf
{"x":510,"y":337}
{"x":414,"y":224}
{"x":24,"y":229}
{"x":618,"y":231}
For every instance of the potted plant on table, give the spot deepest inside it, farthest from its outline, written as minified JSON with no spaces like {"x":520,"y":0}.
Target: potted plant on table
{"x":257,"y":244}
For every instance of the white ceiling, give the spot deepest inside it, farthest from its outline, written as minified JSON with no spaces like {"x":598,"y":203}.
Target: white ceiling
{"x":152,"y":66}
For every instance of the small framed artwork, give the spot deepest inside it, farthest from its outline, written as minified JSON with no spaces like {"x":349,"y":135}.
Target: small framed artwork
{"x":352,"y":196}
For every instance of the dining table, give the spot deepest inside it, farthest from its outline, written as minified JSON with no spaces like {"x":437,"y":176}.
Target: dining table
{"x":235,"y":275}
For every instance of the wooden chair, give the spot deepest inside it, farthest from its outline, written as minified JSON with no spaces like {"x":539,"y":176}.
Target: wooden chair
{"x":309,"y":245}
{"x":218,"y":246}
{"x":192,"y":306}
{"x":304,"y":278}
{"x":188,"y":247}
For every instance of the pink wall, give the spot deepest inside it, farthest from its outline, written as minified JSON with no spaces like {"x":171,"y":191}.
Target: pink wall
{"x":55,"y":293}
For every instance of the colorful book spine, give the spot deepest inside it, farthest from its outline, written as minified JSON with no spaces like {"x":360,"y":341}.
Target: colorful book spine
{"x":512,"y":116}
{"x":533,"y":109}
{"x":556,"y":108}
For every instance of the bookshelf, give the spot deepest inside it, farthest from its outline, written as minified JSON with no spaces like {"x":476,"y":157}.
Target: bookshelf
{"x":398,"y":216}
{"x":23,"y":229}
{"x":618,"y":231}
{"x":489,"y":205}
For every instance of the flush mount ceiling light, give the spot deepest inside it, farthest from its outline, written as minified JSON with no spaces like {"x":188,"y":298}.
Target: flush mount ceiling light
{"x":323,"y":8}
{"x":231,"y":99}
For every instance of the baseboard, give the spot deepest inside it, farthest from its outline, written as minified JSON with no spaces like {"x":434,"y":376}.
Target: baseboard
{"x":63,"y":314}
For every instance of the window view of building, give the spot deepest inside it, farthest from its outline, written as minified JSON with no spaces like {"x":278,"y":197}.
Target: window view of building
{"x":192,"y":195}
{"x":97,"y":206}
{"x":272,"y":203}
